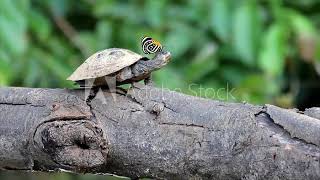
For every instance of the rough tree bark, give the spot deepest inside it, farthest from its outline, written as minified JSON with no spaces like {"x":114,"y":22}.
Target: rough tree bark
{"x":150,"y":132}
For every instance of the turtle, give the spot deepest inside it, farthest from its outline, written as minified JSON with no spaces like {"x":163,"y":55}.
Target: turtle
{"x":117,"y":66}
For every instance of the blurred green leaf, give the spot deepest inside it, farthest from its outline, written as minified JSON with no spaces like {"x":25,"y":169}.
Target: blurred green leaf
{"x":32,"y":74}
{"x":180,"y":39}
{"x":61,"y":50}
{"x":40,"y":25}
{"x":221,"y":18}
{"x":154,"y":12}
{"x":303,"y":4}
{"x":12,"y":37}
{"x":88,"y":40}
{"x":197,"y":12}
{"x":254,"y":89}
{"x":251,"y":39}
{"x":132,"y":39}
{"x":58,"y":7}
{"x":118,"y":10}
{"x":231,"y":74}
{"x":317,"y":50}
{"x":301,"y":25}
{"x":273,"y":52}
{"x":204,"y":62}
{"x":53,"y":66}
{"x":103,"y":7}
{"x":12,"y":13}
{"x":246,"y":31}
{"x":5,"y":72}
{"x":104,"y":34}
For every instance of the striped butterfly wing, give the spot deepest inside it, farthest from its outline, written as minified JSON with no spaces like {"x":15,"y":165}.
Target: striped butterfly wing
{"x":150,"y":46}
{"x":145,"y":43}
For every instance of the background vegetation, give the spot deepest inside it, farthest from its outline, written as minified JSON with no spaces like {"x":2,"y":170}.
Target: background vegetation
{"x":267,"y":50}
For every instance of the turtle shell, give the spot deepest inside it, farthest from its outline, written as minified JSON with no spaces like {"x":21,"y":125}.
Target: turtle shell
{"x":104,"y":62}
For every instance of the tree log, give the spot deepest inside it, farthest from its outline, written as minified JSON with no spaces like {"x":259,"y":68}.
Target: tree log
{"x":151,"y":132}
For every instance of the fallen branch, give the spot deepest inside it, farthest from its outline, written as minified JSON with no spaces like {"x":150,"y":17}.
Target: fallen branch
{"x":150,"y":132}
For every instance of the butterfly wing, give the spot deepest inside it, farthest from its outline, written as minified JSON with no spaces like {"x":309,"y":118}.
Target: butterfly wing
{"x":150,"y":46}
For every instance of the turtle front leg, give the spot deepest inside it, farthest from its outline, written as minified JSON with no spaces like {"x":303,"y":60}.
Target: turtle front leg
{"x":148,"y":81}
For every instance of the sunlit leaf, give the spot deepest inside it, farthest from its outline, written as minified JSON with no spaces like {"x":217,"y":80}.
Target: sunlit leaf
{"x":301,"y":25}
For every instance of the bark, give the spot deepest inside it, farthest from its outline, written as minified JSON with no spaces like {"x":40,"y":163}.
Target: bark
{"x":150,"y":132}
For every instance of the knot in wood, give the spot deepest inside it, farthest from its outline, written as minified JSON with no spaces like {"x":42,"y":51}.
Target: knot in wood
{"x":157,"y":108}
{"x":74,"y":143}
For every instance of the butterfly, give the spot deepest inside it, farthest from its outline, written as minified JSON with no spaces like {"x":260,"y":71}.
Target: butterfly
{"x":150,"y":45}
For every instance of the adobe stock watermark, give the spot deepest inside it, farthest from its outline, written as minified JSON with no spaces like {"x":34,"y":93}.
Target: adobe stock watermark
{"x":226,"y":93}
{"x":92,"y":88}
{"x":222,"y":93}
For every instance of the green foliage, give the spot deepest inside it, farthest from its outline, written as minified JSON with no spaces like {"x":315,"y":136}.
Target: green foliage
{"x":272,"y":59}
{"x":243,"y":44}
{"x":246,"y":32}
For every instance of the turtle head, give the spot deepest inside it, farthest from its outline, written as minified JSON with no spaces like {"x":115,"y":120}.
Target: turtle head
{"x":146,"y":66}
{"x":162,"y":58}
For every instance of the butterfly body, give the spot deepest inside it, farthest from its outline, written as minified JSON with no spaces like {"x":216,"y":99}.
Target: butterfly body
{"x":150,"y":45}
